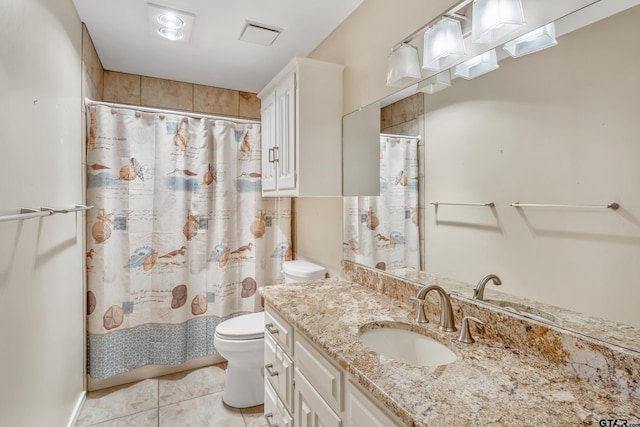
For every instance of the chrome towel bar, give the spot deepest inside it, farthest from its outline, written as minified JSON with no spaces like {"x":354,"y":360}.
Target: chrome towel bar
{"x":612,"y":206}
{"x":436,"y":204}
{"x":28,"y":213}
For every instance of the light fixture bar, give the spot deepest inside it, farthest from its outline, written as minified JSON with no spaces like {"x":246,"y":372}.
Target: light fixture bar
{"x":452,"y":13}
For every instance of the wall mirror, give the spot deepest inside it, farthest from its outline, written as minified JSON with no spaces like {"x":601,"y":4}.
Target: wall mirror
{"x":556,"y":127}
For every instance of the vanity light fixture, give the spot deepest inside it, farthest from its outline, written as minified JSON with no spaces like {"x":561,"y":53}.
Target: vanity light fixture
{"x":435,"y":83}
{"x":477,"y":66}
{"x":403,"y":66}
{"x":443,"y":45}
{"x":169,"y":24}
{"x":492,"y":20}
{"x":538,"y":39}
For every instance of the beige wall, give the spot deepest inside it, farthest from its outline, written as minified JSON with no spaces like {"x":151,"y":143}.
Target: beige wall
{"x":41,"y":271}
{"x":362,"y":43}
{"x":558,"y":126}
{"x":530,"y":148}
{"x":364,"y":40}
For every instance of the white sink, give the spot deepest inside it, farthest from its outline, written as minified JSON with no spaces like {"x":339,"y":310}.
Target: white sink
{"x":405,"y":346}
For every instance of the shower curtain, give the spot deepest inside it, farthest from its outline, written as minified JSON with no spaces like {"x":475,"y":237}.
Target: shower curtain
{"x":179,"y":238}
{"x":383,"y":231}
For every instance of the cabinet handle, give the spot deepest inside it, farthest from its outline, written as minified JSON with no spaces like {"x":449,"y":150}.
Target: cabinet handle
{"x":276,"y":151}
{"x":270,"y":155}
{"x":269,"y":417}
{"x":270,"y":370}
{"x":272,"y":329}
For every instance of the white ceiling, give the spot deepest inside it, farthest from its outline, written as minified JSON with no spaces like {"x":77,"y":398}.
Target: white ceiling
{"x":214,"y":56}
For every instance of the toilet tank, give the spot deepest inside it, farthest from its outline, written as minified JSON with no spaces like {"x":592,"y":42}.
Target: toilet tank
{"x":302,"y":271}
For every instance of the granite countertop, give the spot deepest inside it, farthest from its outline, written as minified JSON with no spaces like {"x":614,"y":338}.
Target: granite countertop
{"x":489,"y":383}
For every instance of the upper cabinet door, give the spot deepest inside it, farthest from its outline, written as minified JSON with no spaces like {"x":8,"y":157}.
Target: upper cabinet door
{"x":269,"y":139}
{"x":305,"y":152}
{"x":286,"y":144}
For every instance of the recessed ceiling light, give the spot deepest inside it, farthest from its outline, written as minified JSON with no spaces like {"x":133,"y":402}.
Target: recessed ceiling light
{"x":170,"y":20}
{"x":170,"y":33}
{"x":170,"y":24}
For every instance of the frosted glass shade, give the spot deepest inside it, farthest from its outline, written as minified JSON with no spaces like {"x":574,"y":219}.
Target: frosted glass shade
{"x":435,"y":83}
{"x":403,"y":67}
{"x":534,"y":41}
{"x":492,"y":20}
{"x":443,"y":45}
{"x":478,"y":65}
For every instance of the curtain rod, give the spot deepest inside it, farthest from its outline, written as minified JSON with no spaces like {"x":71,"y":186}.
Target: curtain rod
{"x":390,"y":135}
{"x":91,"y":102}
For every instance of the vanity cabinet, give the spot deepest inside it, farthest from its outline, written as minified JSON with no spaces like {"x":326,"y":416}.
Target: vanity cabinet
{"x":304,"y":388}
{"x":302,"y":130}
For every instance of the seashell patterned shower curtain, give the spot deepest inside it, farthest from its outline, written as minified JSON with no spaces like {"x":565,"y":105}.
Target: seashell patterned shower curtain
{"x":383,"y":231}
{"x":179,"y":238}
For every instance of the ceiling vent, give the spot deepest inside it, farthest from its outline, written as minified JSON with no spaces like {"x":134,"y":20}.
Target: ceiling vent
{"x":254,"y":32}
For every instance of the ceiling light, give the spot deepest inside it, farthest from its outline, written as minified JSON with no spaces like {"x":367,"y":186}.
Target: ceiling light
{"x":492,"y":20}
{"x":443,"y":45}
{"x":435,"y":83}
{"x":533,"y":41}
{"x":170,"y":20}
{"x":477,"y":66}
{"x":254,"y":32}
{"x":169,"y":24}
{"x":403,"y":67}
{"x":170,"y":33}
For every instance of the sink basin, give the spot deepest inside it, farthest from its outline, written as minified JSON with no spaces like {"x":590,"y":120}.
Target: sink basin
{"x":523,"y":310}
{"x":402,"y":345}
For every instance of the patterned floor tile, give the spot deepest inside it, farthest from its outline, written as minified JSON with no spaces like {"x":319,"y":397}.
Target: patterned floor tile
{"x":142,"y":419}
{"x":117,"y":402}
{"x":205,"y":411}
{"x":187,"y":385}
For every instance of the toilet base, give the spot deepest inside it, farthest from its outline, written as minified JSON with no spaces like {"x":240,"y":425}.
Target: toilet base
{"x":244,"y":386}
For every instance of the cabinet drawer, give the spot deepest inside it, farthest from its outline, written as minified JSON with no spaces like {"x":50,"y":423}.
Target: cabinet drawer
{"x":310,"y":409}
{"x":361,"y":411}
{"x":279,"y":329}
{"x":278,"y":370}
{"x":275,"y":412}
{"x":322,"y":374}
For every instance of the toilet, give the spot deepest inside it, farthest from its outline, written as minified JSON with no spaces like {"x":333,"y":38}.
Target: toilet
{"x":240,"y":340}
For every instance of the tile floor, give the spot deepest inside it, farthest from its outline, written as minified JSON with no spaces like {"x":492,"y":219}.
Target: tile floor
{"x":191,"y":398}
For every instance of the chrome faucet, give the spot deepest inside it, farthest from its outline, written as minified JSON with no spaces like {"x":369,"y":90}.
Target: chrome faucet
{"x":478,"y":292}
{"x":447,"y":323}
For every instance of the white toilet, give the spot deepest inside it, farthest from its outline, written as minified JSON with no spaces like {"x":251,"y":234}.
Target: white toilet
{"x":240,"y":340}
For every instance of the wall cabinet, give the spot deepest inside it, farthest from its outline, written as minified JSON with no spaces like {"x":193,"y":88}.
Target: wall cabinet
{"x":302,"y":130}
{"x":303,"y":388}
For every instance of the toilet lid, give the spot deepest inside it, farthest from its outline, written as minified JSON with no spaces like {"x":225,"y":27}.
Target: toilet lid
{"x":243,"y":327}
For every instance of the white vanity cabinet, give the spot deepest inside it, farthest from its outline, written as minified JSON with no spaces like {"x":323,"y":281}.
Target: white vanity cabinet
{"x":303,"y":388}
{"x":302,"y":130}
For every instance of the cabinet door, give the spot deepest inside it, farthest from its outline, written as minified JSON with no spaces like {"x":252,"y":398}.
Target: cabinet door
{"x":269,"y":139}
{"x":362,"y":412}
{"x":286,"y":133}
{"x":310,"y":409}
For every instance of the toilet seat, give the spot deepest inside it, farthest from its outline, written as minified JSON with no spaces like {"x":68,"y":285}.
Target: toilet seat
{"x":244,"y":327}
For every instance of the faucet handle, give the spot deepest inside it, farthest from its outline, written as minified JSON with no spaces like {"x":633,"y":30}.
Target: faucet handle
{"x":420,"y":316}
{"x":465,"y":333}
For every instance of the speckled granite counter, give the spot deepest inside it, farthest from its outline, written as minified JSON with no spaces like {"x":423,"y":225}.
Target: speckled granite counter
{"x":489,"y":384}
